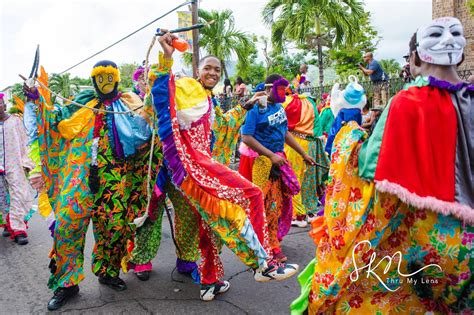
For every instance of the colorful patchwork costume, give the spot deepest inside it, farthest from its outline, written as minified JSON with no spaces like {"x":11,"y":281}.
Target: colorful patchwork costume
{"x":14,"y":185}
{"x":226,"y":128}
{"x":407,"y":193}
{"x":304,"y":125}
{"x":229,"y":209}
{"x":94,"y":168}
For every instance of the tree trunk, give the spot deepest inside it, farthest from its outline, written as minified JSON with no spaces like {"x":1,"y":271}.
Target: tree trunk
{"x":320,"y":56}
{"x":224,"y":69}
{"x":320,"y":65}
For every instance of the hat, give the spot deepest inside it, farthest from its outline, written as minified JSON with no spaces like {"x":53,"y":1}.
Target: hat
{"x":353,"y":96}
{"x":260,"y":87}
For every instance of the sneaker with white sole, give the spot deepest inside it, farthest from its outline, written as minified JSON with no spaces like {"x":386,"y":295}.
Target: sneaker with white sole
{"x":299,"y":223}
{"x":275,"y":271}
{"x":208,"y":292}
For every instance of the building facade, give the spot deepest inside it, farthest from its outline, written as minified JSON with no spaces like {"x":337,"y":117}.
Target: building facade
{"x":460,"y":9}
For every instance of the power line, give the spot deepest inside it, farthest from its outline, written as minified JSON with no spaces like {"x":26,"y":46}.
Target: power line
{"x":122,"y":39}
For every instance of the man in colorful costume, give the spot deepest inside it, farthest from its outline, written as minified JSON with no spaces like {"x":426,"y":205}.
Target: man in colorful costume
{"x":263,"y":160}
{"x":406,"y":193}
{"x":93,"y":168}
{"x":14,"y":163}
{"x":304,"y":125}
{"x":229,"y":209}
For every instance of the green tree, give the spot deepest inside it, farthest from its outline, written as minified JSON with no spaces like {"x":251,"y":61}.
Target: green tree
{"x":17,"y":90}
{"x":390,"y":66}
{"x":315,"y":23}
{"x":82,"y":81}
{"x":248,"y":68}
{"x":222,"y":39}
{"x":126,"y":74}
{"x":63,"y":85}
{"x":346,"y":58}
{"x":286,"y":65}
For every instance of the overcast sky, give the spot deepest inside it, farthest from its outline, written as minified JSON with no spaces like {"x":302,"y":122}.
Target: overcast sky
{"x":69,"y":31}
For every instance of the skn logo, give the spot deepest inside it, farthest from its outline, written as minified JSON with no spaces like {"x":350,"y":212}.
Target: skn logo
{"x":372,"y":270}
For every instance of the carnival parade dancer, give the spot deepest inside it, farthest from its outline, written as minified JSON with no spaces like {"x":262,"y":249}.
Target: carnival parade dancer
{"x":14,"y":163}
{"x":304,"y":125}
{"x":226,"y":128}
{"x":228,"y":207}
{"x":93,"y":168}
{"x":263,"y":160}
{"x":406,"y":194}
{"x":346,"y":106}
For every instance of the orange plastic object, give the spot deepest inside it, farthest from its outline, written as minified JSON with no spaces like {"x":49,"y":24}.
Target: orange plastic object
{"x":180,"y":45}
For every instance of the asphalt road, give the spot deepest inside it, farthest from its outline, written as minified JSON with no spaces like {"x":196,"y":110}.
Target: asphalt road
{"x":24,"y":275}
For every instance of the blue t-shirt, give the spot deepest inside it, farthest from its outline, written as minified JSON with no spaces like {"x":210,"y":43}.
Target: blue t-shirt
{"x":378,"y":74}
{"x":268,"y":126}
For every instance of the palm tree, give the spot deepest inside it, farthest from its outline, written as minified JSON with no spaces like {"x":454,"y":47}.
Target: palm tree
{"x":222,"y":39}
{"x":314,"y":23}
{"x":63,"y":85}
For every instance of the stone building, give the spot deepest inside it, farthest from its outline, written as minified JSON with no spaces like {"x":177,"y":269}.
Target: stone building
{"x":461,"y":10}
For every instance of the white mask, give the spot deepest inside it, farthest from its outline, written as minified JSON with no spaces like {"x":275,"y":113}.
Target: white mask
{"x":441,"y":42}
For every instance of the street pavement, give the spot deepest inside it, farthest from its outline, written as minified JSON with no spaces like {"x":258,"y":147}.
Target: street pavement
{"x":24,"y":275}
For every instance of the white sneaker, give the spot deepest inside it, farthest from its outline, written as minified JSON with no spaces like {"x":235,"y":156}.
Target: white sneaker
{"x":208,"y":292}
{"x":298,"y":223}
{"x":275,"y":271}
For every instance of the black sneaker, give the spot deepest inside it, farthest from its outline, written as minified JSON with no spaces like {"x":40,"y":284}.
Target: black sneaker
{"x":21,"y":239}
{"x":5,"y":232}
{"x":114,"y":283}
{"x":61,"y":296}
{"x":143,"y":275}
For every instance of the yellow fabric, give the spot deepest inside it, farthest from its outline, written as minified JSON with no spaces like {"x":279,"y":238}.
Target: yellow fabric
{"x":44,"y":207}
{"x":69,"y":128}
{"x":299,"y":167}
{"x":215,"y":207}
{"x":134,"y":102}
{"x":189,"y":93}
{"x":355,"y":211}
{"x":261,"y":171}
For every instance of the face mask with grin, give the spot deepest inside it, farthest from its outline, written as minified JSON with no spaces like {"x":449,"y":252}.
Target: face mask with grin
{"x":441,"y":42}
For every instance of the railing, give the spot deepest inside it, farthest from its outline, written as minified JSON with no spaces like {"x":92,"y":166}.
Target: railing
{"x":394,"y":85}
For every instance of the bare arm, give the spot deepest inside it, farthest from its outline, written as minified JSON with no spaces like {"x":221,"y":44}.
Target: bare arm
{"x":365,"y":70}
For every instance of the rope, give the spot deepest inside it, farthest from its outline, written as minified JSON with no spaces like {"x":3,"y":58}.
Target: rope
{"x":104,"y":110}
{"x":134,"y":32}
{"x":84,"y":106}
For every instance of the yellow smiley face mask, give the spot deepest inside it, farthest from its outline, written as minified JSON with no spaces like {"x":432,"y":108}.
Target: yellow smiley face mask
{"x":106,"y":76}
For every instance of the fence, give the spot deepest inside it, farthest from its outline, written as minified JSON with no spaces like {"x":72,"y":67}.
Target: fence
{"x":395,"y":84}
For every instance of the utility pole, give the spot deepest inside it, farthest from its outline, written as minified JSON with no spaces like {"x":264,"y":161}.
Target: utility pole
{"x":194,"y":12}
